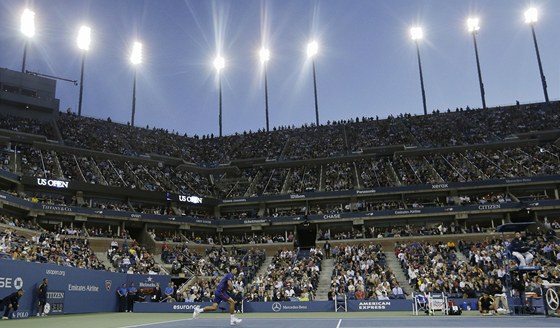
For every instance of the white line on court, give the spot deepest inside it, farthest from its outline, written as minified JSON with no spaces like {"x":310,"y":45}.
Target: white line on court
{"x":339,"y":321}
{"x":154,"y":323}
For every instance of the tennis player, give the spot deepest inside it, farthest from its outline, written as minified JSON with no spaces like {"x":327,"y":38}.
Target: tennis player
{"x":221,"y":295}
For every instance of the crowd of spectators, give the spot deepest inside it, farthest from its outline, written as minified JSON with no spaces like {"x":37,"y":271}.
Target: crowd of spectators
{"x":333,"y":140}
{"x":70,"y":246}
{"x":433,"y":168}
{"x":289,"y":277}
{"x":360,"y":272}
{"x":407,"y":230}
{"x":47,"y":247}
{"x":132,"y":258}
{"x":436,"y":267}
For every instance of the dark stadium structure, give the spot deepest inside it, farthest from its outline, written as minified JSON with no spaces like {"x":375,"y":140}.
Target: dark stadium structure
{"x":462,"y":172}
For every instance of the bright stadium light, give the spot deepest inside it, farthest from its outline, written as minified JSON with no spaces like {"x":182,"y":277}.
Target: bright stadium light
{"x":312,"y":49}
{"x":27,"y":29}
{"x":84,"y":40}
{"x":136,"y":54}
{"x":135,"y":59}
{"x":531,"y":15}
{"x":531,"y":18}
{"x":28,"y":23}
{"x":219,"y":64}
{"x":416,"y":33}
{"x":473,"y":27}
{"x":264,"y":55}
{"x":473,"y":24}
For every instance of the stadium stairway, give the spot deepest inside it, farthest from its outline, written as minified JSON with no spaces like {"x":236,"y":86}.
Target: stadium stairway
{"x":461,"y":257}
{"x":324,"y":279}
{"x":102,"y":256}
{"x":395,"y":266}
{"x":264,"y":267}
{"x":166,"y":268}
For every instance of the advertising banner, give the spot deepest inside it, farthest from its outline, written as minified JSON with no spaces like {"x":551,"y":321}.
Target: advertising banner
{"x":173,"y":307}
{"x":315,"y":306}
{"x":70,"y":290}
{"x":378,"y":306}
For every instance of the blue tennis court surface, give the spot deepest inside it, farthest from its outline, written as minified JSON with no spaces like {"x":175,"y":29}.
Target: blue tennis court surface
{"x":472,"y":321}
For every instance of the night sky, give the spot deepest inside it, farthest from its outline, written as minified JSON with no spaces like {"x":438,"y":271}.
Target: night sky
{"x":366,"y":65}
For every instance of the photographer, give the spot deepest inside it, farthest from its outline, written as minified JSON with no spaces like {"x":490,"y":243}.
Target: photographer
{"x":10,"y":302}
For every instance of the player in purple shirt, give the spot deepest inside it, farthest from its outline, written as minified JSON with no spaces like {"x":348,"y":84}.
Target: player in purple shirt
{"x":221,"y":295}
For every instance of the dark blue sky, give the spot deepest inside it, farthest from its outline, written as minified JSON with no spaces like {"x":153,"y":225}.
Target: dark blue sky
{"x":366,"y":64}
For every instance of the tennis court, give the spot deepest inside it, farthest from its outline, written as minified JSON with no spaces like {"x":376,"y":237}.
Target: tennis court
{"x":286,"y":320}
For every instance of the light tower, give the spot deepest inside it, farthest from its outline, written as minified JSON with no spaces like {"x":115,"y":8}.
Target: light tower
{"x":312,"y":50}
{"x":219,"y":64}
{"x":264,"y":55}
{"x":84,"y":40}
{"x":28,"y":30}
{"x":473,"y":27}
{"x":531,"y":18}
{"x":135,"y":60}
{"x":416,"y":34}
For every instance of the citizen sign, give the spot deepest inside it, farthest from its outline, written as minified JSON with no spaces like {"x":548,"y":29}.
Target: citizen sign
{"x":52,"y":183}
{"x":489,"y":207}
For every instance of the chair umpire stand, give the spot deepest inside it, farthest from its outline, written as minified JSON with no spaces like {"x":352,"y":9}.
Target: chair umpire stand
{"x":515,"y":276}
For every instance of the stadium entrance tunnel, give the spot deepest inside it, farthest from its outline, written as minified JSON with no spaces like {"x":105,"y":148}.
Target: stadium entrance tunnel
{"x":306,"y":235}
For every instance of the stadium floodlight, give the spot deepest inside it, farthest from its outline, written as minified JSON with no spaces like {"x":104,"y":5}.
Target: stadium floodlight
{"x":264,"y":55}
{"x":416,"y":34}
{"x":473,"y":24}
{"x":84,"y":38}
{"x":135,"y":59}
{"x":28,"y":23}
{"x":531,"y":18}
{"x":136,"y":54}
{"x":219,"y":64}
{"x":27,"y":29}
{"x":312,"y":50}
{"x":473,"y":27}
{"x":531,"y":15}
{"x":84,"y":41}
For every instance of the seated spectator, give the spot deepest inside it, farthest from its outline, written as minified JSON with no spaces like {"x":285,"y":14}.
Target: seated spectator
{"x":397,"y":292}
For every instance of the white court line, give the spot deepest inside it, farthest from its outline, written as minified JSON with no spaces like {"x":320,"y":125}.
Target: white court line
{"x":154,"y":323}
{"x":339,"y":321}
